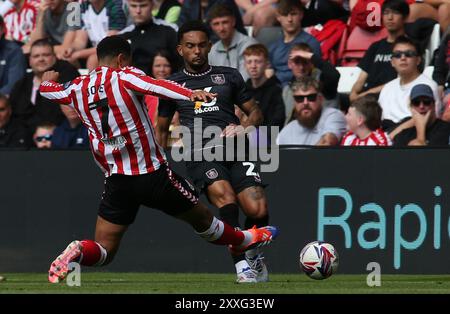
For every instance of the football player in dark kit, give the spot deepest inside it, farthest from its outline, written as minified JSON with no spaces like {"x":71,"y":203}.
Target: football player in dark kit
{"x":227,"y":184}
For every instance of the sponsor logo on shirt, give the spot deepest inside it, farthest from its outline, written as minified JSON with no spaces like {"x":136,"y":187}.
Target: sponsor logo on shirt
{"x":212,"y":174}
{"x":202,"y":107}
{"x":218,"y":79}
{"x":116,"y":142}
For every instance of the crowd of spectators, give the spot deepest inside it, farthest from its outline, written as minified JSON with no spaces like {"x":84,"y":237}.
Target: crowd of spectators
{"x":293,"y":76}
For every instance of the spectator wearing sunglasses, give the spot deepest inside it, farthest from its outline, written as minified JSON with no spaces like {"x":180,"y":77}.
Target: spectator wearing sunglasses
{"x":394,"y":97}
{"x":314,"y":124}
{"x":376,"y":68}
{"x":43,"y":135}
{"x":424,"y":128}
{"x":303,"y":62}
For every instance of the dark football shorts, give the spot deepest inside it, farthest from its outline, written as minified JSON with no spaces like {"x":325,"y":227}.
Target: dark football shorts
{"x":240,"y":174}
{"x":162,"y":189}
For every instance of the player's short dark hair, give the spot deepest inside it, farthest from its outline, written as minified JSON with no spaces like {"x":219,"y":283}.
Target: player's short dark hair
{"x":43,"y":42}
{"x":257,"y":49}
{"x":219,"y":10}
{"x":112,"y":46}
{"x":400,"y":6}
{"x":407,"y":41}
{"x":192,"y":26}
{"x":369,"y":107}
{"x":287,"y":6}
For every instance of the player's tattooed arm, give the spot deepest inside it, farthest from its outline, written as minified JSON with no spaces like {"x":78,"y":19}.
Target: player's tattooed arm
{"x":253,"y":114}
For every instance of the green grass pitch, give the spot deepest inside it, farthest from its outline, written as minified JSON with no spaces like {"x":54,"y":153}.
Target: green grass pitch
{"x":172,"y":283}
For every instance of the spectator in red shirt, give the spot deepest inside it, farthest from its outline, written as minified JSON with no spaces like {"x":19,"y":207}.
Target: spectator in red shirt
{"x":20,"y":20}
{"x":364,"y":124}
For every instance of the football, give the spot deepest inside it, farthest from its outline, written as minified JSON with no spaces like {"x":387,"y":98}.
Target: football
{"x":319,"y":260}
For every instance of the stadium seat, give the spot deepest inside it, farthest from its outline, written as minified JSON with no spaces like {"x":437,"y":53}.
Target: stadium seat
{"x":249,"y":30}
{"x":267,"y":35}
{"x":354,"y":45}
{"x":349,"y":75}
{"x":433,"y":44}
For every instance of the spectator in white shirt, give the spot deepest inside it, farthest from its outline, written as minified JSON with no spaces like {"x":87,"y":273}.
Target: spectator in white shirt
{"x":394,"y":97}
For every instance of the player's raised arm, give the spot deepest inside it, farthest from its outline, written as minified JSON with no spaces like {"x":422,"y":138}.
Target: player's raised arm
{"x":163,"y":88}
{"x":52,"y":90}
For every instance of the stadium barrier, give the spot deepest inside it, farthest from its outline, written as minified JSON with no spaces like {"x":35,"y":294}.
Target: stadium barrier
{"x":390,"y":206}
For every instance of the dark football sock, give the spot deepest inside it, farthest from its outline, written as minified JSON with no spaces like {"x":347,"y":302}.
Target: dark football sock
{"x":258,"y":222}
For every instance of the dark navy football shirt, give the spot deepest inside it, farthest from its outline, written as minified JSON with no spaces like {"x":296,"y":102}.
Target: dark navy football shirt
{"x":230,"y":88}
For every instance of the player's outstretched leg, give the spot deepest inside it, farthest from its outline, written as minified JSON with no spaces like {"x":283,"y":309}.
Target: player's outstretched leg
{"x":88,"y":252}
{"x":217,"y":232}
{"x":85,"y":252}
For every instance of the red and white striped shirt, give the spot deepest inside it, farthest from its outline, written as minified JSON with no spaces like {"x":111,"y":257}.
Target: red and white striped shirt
{"x":20,"y":23}
{"x":376,"y":138}
{"x":110,"y":105}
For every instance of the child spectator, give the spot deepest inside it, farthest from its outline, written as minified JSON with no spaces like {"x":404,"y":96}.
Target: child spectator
{"x":43,"y":135}
{"x":266,"y":91}
{"x":364,"y":124}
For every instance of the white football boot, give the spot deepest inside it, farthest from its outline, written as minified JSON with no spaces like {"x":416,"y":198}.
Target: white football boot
{"x":255,"y":259}
{"x":245,"y":274}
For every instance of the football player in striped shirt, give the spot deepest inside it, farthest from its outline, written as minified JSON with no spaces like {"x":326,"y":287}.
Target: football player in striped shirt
{"x":364,"y":124}
{"x":109,"y":101}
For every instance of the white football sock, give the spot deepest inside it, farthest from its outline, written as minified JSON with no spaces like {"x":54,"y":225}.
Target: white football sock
{"x":214,"y":231}
{"x":241,"y":265}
